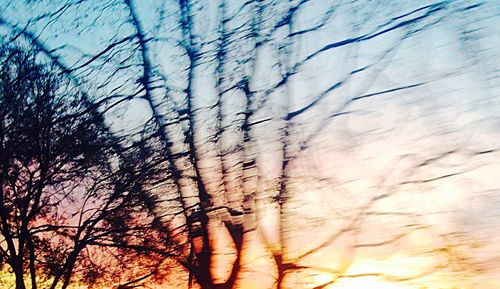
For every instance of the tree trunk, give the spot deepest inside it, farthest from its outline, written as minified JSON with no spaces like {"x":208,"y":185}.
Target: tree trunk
{"x":17,"y":267}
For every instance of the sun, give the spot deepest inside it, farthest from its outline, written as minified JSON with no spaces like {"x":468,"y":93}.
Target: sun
{"x":362,"y":274}
{"x":368,"y":282}
{"x":365,"y":283}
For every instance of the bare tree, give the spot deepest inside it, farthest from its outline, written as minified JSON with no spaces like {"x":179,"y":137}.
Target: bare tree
{"x":72,"y":199}
{"x":240,"y":98}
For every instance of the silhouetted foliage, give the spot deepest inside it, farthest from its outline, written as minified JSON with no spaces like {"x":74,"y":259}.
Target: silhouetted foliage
{"x":257,"y":119}
{"x":71,"y":196}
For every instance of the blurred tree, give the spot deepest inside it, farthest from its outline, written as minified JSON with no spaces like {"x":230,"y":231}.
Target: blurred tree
{"x":282,"y":120}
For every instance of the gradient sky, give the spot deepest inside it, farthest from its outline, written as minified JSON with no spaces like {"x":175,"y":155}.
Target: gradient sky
{"x":358,"y":155}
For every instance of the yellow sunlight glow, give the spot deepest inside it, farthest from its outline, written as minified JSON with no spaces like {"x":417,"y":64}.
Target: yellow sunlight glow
{"x":396,"y":266}
{"x":365,"y":283}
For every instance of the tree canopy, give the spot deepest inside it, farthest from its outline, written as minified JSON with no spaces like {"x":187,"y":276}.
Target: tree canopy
{"x":265,"y":143}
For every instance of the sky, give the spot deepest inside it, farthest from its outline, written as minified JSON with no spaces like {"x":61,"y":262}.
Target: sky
{"x":371,"y":150}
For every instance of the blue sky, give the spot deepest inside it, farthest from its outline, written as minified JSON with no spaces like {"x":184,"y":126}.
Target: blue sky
{"x":454,"y":105}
